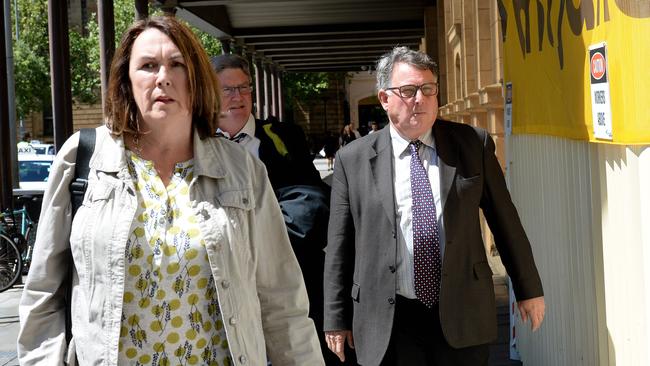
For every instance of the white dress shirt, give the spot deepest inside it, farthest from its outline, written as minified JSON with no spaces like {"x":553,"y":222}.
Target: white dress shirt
{"x":402,"y":182}
{"x":249,"y":142}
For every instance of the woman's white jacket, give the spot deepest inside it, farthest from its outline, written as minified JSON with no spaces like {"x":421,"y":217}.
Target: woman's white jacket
{"x":259,"y":284}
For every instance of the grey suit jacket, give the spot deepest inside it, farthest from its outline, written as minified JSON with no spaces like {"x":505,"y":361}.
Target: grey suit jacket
{"x":360,"y":278}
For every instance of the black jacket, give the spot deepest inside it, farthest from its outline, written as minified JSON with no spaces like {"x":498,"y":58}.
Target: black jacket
{"x":286,"y":168}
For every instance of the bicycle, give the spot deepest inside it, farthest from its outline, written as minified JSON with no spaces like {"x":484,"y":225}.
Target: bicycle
{"x":17,"y":235}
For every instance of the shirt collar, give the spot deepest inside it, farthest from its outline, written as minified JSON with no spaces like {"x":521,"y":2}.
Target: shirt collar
{"x":400,"y":144}
{"x":249,"y":128}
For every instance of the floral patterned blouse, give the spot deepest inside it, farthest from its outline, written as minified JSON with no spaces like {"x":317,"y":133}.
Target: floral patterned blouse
{"x":170,"y":315}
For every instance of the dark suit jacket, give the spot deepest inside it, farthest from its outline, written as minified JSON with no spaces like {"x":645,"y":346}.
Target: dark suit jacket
{"x":294,"y":168}
{"x":360,"y":278}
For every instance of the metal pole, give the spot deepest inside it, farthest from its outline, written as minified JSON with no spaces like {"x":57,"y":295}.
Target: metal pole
{"x":11,"y":93}
{"x":276,"y":91}
{"x":141,"y":9}
{"x":6,"y":186}
{"x":280,"y":97}
{"x":325,"y":114}
{"x":225,"y":46}
{"x":267,"y":90}
{"x":60,"y":70}
{"x":259,"y":88}
{"x":250,"y":57}
{"x":16,"y":13}
{"x":273,"y":111}
{"x":169,"y":11}
{"x":106,"y":22}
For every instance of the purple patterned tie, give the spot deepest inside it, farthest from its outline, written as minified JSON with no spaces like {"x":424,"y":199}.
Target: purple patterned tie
{"x":426,"y":239}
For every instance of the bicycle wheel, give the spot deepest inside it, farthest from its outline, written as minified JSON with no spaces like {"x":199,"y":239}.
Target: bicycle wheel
{"x":30,"y":233}
{"x":30,"y":238}
{"x":10,"y":263}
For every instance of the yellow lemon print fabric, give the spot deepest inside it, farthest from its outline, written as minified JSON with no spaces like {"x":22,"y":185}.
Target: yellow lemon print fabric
{"x":170,"y":315}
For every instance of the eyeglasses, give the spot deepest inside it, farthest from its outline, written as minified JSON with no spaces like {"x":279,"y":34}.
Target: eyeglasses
{"x":232,"y":90}
{"x":409,"y":91}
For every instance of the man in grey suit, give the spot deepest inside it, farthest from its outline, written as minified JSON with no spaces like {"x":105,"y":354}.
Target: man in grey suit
{"x":407,"y":280}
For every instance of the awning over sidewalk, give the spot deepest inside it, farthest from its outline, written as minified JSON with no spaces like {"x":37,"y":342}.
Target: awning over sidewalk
{"x":310,"y":35}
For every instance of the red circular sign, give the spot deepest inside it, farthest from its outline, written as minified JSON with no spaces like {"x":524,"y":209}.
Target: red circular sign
{"x":598,"y":65}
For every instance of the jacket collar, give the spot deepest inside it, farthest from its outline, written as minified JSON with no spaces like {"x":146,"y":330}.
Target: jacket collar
{"x":209,"y":155}
{"x":447,"y":151}
{"x":109,"y":154}
{"x":381,"y":161}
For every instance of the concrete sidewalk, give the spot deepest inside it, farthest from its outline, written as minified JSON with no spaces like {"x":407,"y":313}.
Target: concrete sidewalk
{"x":9,"y":325}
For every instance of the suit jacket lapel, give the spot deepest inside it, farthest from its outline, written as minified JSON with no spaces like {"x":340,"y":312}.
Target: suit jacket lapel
{"x":447,"y":158}
{"x":381,"y":164}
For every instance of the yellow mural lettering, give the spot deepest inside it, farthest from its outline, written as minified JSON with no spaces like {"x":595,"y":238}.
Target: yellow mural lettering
{"x":546,"y":57}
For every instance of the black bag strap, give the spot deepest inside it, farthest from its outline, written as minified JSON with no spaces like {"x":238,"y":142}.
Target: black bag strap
{"x":85,"y":150}
{"x":78,"y":187}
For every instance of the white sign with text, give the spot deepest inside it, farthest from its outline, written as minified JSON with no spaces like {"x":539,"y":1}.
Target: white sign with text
{"x":601,"y":108}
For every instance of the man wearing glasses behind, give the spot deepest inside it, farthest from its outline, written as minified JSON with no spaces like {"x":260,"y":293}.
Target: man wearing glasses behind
{"x":281,"y":146}
{"x":302,"y":195}
{"x":407,"y":280}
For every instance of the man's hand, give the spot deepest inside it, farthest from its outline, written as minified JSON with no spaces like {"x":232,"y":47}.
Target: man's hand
{"x":533,"y":309}
{"x":336,"y":342}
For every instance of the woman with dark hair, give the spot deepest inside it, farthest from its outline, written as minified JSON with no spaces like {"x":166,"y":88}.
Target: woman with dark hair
{"x":347,"y":135}
{"x":179,"y":250}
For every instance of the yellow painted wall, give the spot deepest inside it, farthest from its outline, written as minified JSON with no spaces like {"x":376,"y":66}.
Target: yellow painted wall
{"x":546,"y":59}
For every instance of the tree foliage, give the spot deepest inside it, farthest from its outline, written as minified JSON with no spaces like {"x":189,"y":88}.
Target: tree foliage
{"x":84,"y":64}
{"x":32,"y":60}
{"x":31,"y":56}
{"x":305,"y":85}
{"x":212,"y":45}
